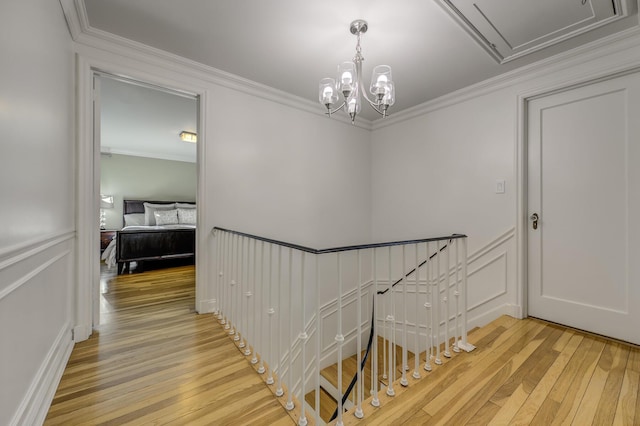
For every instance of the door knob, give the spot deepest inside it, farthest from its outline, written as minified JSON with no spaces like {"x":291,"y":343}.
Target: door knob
{"x":534,"y":220}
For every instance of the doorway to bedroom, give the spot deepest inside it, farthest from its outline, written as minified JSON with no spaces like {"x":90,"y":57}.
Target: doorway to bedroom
{"x":147,"y":188}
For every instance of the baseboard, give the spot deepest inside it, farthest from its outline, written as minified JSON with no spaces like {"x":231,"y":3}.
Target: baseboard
{"x":515,"y":311}
{"x":81,"y":332}
{"x":35,"y":405}
{"x":206,"y":306}
{"x":488,"y":316}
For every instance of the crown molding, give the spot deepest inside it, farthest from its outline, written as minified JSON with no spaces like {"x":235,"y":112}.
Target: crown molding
{"x":82,"y":33}
{"x":571,"y":59}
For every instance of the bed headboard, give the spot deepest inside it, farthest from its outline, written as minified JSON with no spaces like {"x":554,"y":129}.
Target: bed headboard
{"x":137,"y":206}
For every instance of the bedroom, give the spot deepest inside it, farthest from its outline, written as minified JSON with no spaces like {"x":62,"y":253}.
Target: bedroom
{"x":143,"y":158}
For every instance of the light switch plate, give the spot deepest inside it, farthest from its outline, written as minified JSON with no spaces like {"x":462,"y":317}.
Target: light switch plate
{"x":500,"y":186}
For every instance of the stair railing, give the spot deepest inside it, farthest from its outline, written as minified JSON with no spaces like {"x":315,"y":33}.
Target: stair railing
{"x":264,"y":288}
{"x":461,"y":344}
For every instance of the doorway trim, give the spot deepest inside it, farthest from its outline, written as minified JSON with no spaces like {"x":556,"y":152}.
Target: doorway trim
{"x":88,"y":178}
{"x":522,"y":172}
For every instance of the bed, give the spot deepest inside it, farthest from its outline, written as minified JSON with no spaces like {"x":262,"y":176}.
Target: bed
{"x":143,"y":239}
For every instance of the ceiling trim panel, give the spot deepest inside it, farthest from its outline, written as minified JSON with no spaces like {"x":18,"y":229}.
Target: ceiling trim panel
{"x":483,"y":21}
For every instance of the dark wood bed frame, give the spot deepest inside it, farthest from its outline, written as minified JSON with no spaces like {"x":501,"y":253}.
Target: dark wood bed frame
{"x":151,"y":244}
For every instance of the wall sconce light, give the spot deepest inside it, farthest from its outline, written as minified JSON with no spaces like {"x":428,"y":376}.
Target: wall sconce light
{"x":106,"y":202}
{"x":188,"y":136}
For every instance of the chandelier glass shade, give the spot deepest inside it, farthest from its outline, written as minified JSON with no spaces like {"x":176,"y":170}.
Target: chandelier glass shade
{"x":347,"y":89}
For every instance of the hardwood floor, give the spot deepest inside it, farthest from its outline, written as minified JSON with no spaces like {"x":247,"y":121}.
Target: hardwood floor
{"x":522,"y":372}
{"x":154,"y":361}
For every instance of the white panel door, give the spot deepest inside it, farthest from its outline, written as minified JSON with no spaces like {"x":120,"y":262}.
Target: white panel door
{"x":584,"y":187}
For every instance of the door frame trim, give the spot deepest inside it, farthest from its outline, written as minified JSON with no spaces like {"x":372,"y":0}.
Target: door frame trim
{"x":87,"y":204}
{"x":522,"y":172}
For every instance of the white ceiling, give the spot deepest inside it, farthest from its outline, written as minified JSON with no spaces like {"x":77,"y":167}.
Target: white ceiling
{"x":291,"y":44}
{"x":145,"y":122}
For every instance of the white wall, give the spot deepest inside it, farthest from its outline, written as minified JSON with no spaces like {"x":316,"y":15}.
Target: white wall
{"x":138,"y":178}
{"x":279,"y":172}
{"x":435,"y":175}
{"x":434,"y":170}
{"x":37,"y":169}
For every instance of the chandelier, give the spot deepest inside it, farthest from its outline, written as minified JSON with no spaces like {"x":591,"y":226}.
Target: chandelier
{"x":349,"y":83}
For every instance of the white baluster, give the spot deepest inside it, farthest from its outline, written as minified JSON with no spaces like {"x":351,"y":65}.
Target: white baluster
{"x":271,"y":312}
{"x":279,"y":390}
{"x":405,"y":367}
{"x":392,"y":333}
{"x":260,"y":332}
{"x":436,"y":307}
{"x":339,"y":341}
{"x":359,"y":413}
{"x":318,"y":339}
{"x":416,"y":341}
{"x":251,"y":331}
{"x":216,"y":238}
{"x":225,"y":271}
{"x":456,"y":293}
{"x":303,"y":340}
{"x":446,"y":299}
{"x":464,"y":344}
{"x":375,"y":401}
{"x":384,"y":335}
{"x":289,"y":406}
{"x":246,"y":292}
{"x":428,"y":307}
{"x":241,"y":284}
{"x":232,"y":284}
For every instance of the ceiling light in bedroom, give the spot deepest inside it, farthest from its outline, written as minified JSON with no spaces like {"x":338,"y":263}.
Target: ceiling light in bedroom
{"x":349,"y":83}
{"x":188,"y":136}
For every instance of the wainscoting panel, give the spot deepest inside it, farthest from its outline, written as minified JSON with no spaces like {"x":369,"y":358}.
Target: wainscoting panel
{"x":328,"y":315}
{"x":492,"y":280}
{"x":39,"y":277}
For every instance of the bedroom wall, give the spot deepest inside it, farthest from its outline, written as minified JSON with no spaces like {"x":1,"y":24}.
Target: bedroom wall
{"x":139,"y":178}
{"x":37,"y":167}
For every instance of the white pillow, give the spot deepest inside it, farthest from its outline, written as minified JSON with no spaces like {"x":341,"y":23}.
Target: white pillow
{"x":185,"y":206}
{"x":149,"y":208}
{"x":166,"y":217}
{"x":134,"y":219}
{"x":187,"y":216}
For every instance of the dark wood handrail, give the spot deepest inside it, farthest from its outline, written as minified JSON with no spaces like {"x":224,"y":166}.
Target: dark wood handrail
{"x":339,"y":249}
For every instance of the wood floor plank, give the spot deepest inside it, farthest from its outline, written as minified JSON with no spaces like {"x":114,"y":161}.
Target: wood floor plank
{"x":606,"y":410}
{"x":484,"y":415}
{"x":436,"y":382}
{"x":533,"y":403}
{"x":507,"y":376}
{"x":471,"y":392}
{"x":155,"y":361}
{"x":490,"y":344}
{"x":570,"y":401}
{"x":628,"y":401}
